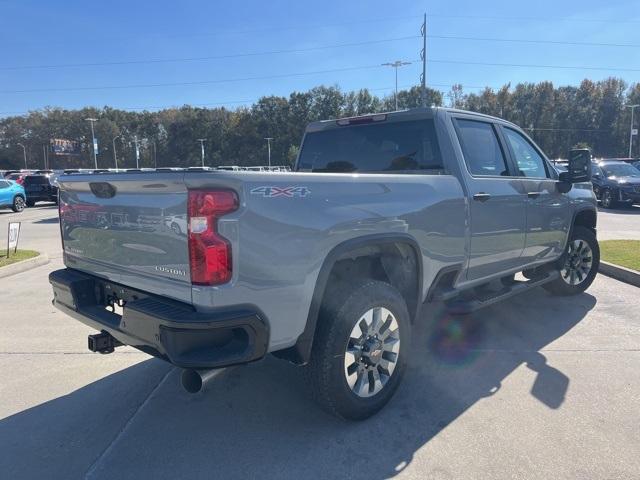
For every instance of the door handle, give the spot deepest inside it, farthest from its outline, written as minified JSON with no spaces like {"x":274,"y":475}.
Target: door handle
{"x":533,"y":194}
{"x":482,"y":197}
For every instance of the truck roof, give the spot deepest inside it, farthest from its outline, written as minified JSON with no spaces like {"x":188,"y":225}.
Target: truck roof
{"x":420,"y":112}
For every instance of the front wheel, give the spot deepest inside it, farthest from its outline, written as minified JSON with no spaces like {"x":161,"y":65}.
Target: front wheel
{"x":18,"y":204}
{"x":582,"y":260}
{"x":607,"y":199}
{"x":359,"y":351}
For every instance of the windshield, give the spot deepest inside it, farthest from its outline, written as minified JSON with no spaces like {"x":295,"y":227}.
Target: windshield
{"x":620,"y":170}
{"x":398,"y":147}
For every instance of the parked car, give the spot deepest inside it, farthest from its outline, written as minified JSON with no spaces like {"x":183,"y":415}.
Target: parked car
{"x":636,"y":164}
{"x":12,"y":195}
{"x":327,"y":266}
{"x":17,"y":177}
{"x":615,"y":183}
{"x":40,"y":188}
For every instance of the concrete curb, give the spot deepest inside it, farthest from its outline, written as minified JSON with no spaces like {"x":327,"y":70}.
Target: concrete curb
{"x":24,"y":265}
{"x":622,"y":274}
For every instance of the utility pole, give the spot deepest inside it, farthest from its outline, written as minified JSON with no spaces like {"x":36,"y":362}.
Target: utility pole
{"x":115,"y":154}
{"x":201,"y":140}
{"x":423,"y":56}
{"x":44,"y":156}
{"x":135,"y":140}
{"x":396,"y":65}
{"x":24,"y":151}
{"x":95,"y":143}
{"x":632,"y":107}
{"x":268,"y":139}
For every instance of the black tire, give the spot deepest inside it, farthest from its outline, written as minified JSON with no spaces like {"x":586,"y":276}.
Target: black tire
{"x":564,"y":285}
{"x":326,"y":371}
{"x":18,"y":204}
{"x":606,"y":199}
{"x":30,"y":203}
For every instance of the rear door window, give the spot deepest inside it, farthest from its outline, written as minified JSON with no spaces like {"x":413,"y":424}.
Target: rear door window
{"x":481,"y":148}
{"x":394,"y":147}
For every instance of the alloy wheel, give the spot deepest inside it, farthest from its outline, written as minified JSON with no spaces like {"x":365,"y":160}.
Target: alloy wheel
{"x":372,"y":352}
{"x":578,"y":263}
{"x":18,"y":203}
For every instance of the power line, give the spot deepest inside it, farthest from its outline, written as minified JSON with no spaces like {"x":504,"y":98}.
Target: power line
{"x":200,"y":82}
{"x":549,"y":42}
{"x":232,"y":102}
{"x":214,"y":57}
{"x":535,"y":19}
{"x":312,"y":49}
{"x":221,"y":33}
{"x":531,"y":65}
{"x":315,"y":72}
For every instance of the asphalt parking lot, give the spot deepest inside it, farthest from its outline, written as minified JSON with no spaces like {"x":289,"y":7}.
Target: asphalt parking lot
{"x":535,"y":387}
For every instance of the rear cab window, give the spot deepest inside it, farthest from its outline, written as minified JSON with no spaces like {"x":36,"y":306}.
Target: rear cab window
{"x":408,"y":146}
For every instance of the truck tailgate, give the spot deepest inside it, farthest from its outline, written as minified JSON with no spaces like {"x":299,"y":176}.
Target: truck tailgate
{"x":130,"y":228}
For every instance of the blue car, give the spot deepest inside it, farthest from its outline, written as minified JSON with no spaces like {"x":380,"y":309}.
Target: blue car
{"x":12,"y":195}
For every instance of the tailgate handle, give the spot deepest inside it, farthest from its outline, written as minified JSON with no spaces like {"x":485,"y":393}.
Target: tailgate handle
{"x":102,"y":189}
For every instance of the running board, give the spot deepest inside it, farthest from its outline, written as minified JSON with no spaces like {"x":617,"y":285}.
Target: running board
{"x":463,"y":306}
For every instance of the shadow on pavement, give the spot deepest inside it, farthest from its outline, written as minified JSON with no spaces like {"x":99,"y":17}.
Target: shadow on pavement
{"x":257,"y":421}
{"x":47,"y":220}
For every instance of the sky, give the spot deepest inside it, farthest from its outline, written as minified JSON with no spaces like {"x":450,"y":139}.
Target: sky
{"x":72,"y":54}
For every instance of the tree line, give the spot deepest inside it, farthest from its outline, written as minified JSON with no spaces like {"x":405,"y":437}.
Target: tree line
{"x":592,"y":114}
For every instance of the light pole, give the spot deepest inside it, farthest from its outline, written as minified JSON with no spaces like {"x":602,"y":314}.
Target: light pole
{"x":268,"y":139}
{"x":396,"y":65}
{"x":135,"y":140}
{"x":632,"y":107}
{"x":115,"y":154}
{"x":93,"y":137}
{"x":201,"y":140}
{"x":24,"y":151}
{"x":155,"y":155}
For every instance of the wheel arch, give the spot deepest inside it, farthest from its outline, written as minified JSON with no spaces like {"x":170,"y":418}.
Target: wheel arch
{"x":385,"y":248}
{"x":585,"y":217}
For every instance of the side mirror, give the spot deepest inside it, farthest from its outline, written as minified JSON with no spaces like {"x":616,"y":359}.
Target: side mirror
{"x":579,"y":168}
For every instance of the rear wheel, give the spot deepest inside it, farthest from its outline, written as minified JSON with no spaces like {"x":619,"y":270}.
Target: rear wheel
{"x":18,"y":204}
{"x":359,"y":351}
{"x":580,"y":266}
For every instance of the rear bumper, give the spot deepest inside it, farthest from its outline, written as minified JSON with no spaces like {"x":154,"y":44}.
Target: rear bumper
{"x":164,"y":328}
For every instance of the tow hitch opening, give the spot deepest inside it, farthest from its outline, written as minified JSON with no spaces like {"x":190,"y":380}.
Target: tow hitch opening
{"x":103,"y":342}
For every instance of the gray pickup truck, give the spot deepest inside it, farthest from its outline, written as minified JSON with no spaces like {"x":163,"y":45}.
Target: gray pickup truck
{"x":327,"y":266}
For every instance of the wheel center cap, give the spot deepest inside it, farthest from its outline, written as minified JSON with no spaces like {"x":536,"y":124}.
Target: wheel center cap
{"x":373,"y":351}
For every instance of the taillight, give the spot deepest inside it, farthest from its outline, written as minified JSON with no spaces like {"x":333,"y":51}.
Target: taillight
{"x":20,"y":180}
{"x":209,"y":253}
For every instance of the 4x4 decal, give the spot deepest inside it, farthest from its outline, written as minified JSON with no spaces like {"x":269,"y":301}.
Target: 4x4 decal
{"x":272,"y":191}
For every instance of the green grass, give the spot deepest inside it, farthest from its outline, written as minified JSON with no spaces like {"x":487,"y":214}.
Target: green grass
{"x":625,"y":253}
{"x":16,"y":257}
